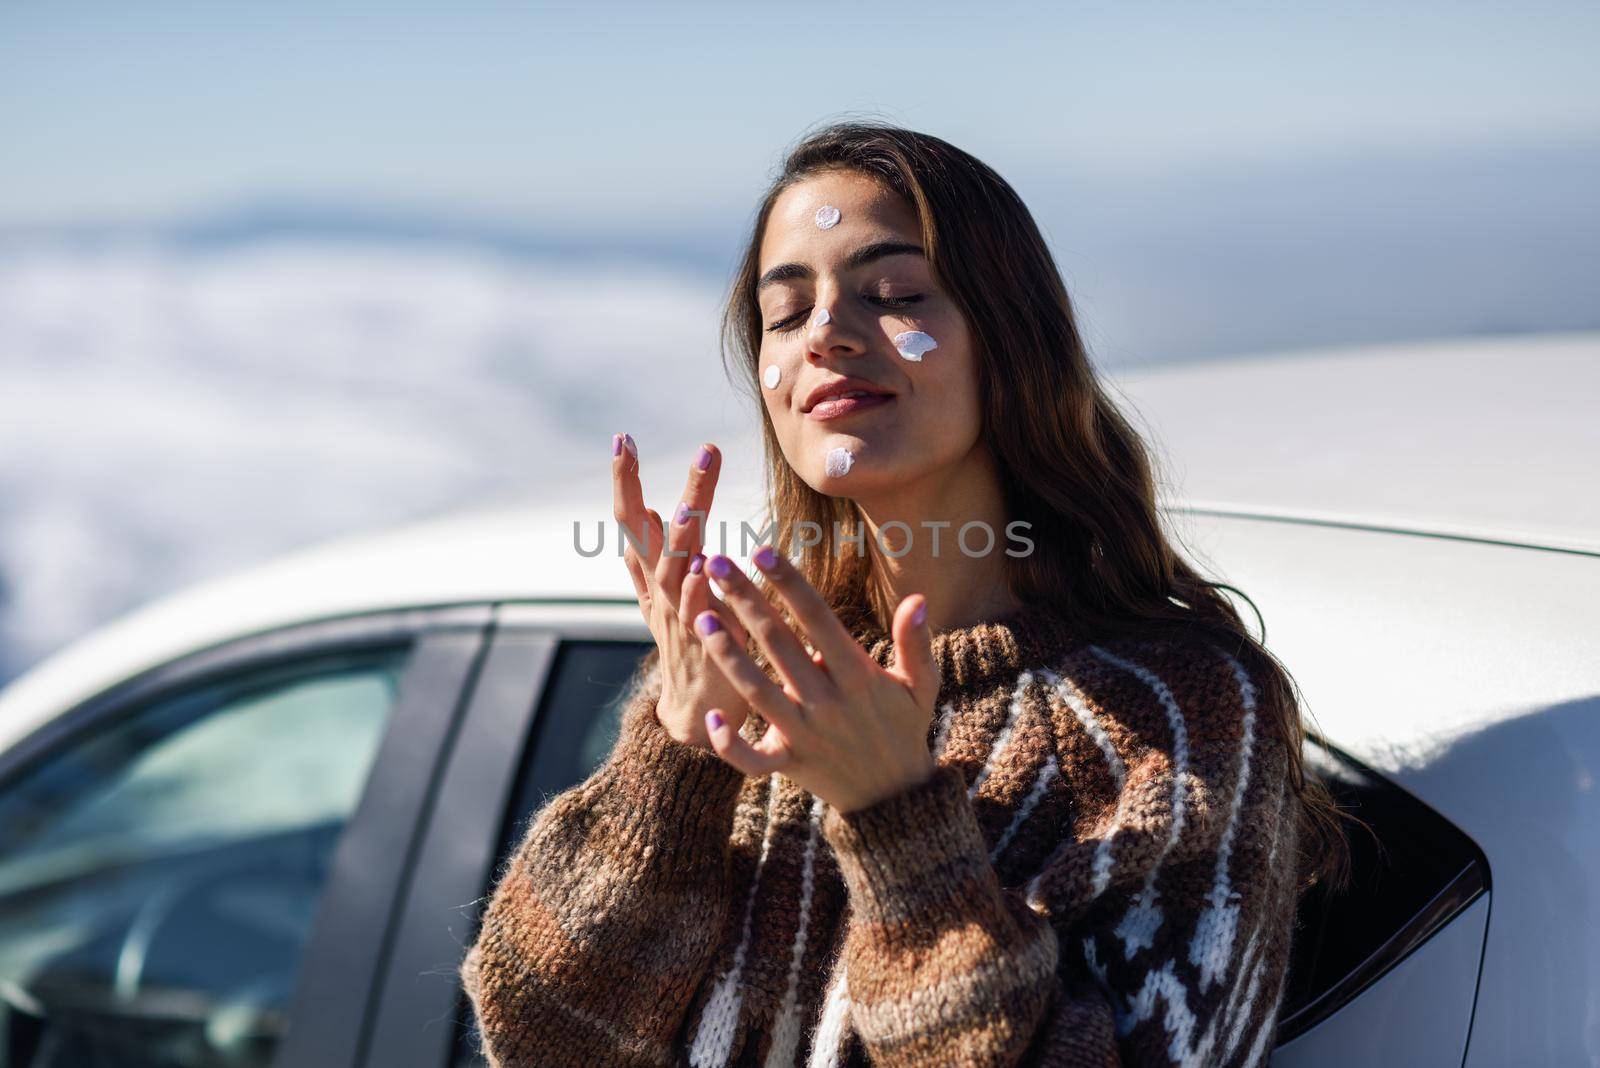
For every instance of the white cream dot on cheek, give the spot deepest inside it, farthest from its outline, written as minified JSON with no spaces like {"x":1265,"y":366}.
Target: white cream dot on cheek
{"x":838,"y":462}
{"x":827,"y":217}
{"x":913,"y":343}
{"x":770,"y":376}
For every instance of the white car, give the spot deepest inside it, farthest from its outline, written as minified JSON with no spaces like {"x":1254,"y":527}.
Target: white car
{"x":253,"y":823}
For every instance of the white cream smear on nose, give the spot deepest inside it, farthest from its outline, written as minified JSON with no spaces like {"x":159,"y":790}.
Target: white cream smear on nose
{"x":770,"y":376}
{"x":913,"y":343}
{"x":839,"y":461}
{"x":827,"y":217}
{"x":823,"y":318}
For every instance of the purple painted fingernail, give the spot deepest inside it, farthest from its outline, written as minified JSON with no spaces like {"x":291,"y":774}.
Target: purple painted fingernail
{"x":919,"y":614}
{"x":765,"y":558}
{"x":696,"y":562}
{"x":683,"y":513}
{"x":707,"y":623}
{"x":714,"y":720}
{"x":616,"y":444}
{"x":627,"y":443}
{"x":719,"y":566}
{"x":703,"y":461}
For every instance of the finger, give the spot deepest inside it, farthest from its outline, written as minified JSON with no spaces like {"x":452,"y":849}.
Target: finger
{"x":627,"y":501}
{"x":696,"y":596}
{"x":914,"y":664}
{"x":641,"y":586}
{"x":772,"y":632}
{"x":653,"y":540}
{"x":687,"y":532}
{"x":730,"y":745}
{"x":753,"y":684}
{"x":694,"y":593}
{"x":847,"y":661}
{"x":622,"y":505}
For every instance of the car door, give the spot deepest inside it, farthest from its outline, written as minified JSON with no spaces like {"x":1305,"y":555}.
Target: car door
{"x":543,"y":715}
{"x":1403,"y":944}
{"x":198,"y":868}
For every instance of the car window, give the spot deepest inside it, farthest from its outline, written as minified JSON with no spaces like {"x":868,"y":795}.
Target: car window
{"x":1412,"y":871}
{"x":159,"y":873}
{"x":579,"y":717}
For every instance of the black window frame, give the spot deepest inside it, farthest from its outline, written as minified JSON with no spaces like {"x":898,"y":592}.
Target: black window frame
{"x":1454,"y":864}
{"x":419,"y":1006}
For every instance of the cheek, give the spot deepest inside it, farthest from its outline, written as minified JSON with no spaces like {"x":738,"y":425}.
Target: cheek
{"x":773,"y":372}
{"x":948,"y":377}
{"x":957,"y":404}
{"x":775,"y":377}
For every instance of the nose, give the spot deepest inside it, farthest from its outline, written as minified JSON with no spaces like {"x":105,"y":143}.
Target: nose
{"x":831,"y":333}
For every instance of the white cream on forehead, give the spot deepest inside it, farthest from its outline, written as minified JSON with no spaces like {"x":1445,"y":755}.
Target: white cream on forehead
{"x":827,"y":217}
{"x":913,"y":343}
{"x":770,"y":376}
{"x":839,"y":461}
{"x":823,"y":318}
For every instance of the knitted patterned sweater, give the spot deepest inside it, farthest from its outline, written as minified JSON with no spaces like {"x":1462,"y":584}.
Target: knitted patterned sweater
{"x":1100,"y":872}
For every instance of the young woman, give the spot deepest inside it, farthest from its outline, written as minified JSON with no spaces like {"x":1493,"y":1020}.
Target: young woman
{"x":975,"y":769}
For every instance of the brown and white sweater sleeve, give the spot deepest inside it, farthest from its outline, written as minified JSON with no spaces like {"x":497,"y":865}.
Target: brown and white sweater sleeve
{"x":607,"y":913}
{"x":1128,"y":944}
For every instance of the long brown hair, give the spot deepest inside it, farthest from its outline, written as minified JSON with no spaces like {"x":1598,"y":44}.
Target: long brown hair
{"x":1070,"y":464}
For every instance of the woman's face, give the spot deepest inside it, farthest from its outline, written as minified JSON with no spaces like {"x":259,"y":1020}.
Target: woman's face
{"x":833,"y":300}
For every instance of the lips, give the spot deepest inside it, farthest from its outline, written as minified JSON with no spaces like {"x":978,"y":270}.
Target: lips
{"x":841,"y":388}
{"x":844,"y":404}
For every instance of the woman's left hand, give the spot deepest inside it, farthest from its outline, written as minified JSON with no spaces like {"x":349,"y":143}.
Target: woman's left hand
{"x":842,"y":727}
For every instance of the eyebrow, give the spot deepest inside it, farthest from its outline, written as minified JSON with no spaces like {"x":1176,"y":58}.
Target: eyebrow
{"x":785,"y":272}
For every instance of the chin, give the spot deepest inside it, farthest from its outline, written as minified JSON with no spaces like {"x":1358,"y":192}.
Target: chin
{"x":862,"y":480}
{"x":871,"y":468}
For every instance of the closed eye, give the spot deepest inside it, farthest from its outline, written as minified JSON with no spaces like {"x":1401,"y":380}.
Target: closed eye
{"x":788,"y":324}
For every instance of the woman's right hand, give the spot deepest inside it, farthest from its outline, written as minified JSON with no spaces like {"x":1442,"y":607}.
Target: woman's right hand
{"x":673,"y":589}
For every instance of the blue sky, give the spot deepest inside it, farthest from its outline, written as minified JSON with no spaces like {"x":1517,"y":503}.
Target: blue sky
{"x":622,"y":117}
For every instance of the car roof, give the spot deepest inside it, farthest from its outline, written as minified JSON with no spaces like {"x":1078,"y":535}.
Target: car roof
{"x":1492,"y":437}
{"x":1487,"y":438}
